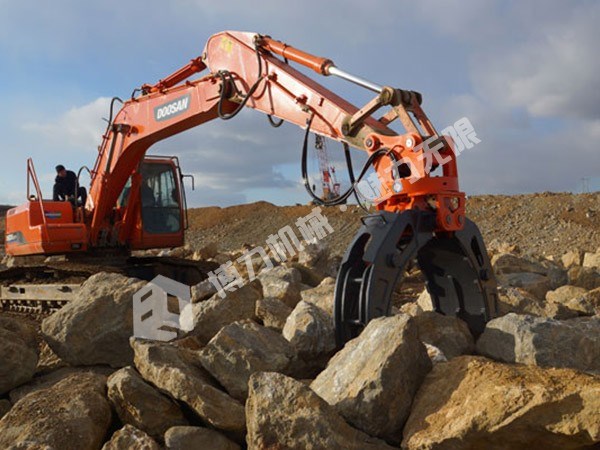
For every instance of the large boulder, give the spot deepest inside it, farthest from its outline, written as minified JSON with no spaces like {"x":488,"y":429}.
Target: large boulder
{"x":573,"y":343}
{"x":372,"y":381}
{"x":572,"y":301}
{"x":178,"y":372}
{"x":473,"y":403}
{"x":18,"y":353}
{"x":130,"y":438}
{"x":448,"y":333}
{"x":592,"y":260}
{"x":189,"y":438}
{"x":519,"y":301}
{"x":72,"y":414}
{"x":585,"y":277}
{"x":285,"y":413}
{"x":283,"y":283}
{"x":242,"y":348}
{"x":47,"y":380}
{"x":213,"y":314}
{"x":139,"y":404}
{"x":309,"y":329}
{"x":321,"y":295}
{"x":272,"y":312}
{"x":95,"y":327}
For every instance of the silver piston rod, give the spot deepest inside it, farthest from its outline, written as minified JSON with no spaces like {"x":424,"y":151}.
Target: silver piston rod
{"x":332,"y":70}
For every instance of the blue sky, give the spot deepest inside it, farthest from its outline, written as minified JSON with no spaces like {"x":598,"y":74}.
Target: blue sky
{"x":524,"y":72}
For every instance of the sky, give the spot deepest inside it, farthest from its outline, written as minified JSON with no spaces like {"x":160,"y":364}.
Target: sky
{"x":525,"y":73}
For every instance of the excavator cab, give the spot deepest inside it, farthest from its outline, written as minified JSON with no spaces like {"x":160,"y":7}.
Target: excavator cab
{"x":161,"y":210}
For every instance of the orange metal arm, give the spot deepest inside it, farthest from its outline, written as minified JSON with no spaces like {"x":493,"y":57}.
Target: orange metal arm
{"x":239,"y":63}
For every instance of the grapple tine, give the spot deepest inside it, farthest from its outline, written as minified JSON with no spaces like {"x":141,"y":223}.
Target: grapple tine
{"x":456,"y":268}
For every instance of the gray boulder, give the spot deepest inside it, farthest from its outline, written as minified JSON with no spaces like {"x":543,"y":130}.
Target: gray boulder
{"x":178,"y":372}
{"x":285,"y":413}
{"x":18,"y":353}
{"x":448,"y":333}
{"x":242,"y":348}
{"x":130,"y":438}
{"x":213,"y":314}
{"x":96,"y":326}
{"x":283,"y":283}
{"x":573,"y":343}
{"x":386,"y":358}
{"x":139,"y":404}
{"x":272,"y":312}
{"x":189,"y":438}
{"x":72,"y":414}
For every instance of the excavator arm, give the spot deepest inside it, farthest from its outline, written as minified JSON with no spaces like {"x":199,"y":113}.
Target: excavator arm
{"x":420,"y":216}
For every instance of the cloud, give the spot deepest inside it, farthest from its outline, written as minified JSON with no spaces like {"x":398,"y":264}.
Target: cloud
{"x":553,"y":73}
{"x":78,"y":128}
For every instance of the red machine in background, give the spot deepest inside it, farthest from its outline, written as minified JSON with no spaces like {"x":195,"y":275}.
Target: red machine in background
{"x":138,"y":202}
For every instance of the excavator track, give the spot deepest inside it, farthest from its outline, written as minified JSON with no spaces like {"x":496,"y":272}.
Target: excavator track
{"x":40,"y":290}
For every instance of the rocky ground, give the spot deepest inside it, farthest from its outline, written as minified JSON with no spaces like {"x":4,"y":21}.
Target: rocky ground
{"x":259,"y":369}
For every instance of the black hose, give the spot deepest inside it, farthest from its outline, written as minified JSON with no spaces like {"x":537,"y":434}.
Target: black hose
{"x":226,"y":77}
{"x":274,"y":124}
{"x":342,"y":198}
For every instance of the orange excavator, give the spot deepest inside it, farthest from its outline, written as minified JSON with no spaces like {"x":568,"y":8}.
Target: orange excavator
{"x":138,"y":202}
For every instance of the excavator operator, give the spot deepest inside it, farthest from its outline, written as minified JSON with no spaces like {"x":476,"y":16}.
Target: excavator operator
{"x":66,"y":184}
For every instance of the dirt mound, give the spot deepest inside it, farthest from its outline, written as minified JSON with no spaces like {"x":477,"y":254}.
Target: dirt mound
{"x":542,"y":224}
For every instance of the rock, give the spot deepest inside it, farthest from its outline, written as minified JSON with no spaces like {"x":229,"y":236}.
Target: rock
{"x":130,"y":438}
{"x":178,"y":372}
{"x":187,"y":438}
{"x":322,"y":295}
{"x":591,"y":260}
{"x":203,"y":291}
{"x":386,"y":358}
{"x":72,"y":414}
{"x":272,"y":312}
{"x":572,"y":258}
{"x":533,"y":283}
{"x":519,"y":301}
{"x":411,"y":308}
{"x":507,"y":263}
{"x":435,"y":354}
{"x":573,"y":343}
{"x":308,"y":276}
{"x":310,"y":331}
{"x":141,"y":405}
{"x":473,"y":403}
{"x":284,"y":413}
{"x":5,"y":406}
{"x":242,"y":348}
{"x":18,"y":353}
{"x":212,"y":315}
{"x":569,"y":301}
{"x":282,"y":283}
{"x":315,"y":255}
{"x":585,"y":277}
{"x":208,"y":251}
{"x":424,"y":301}
{"x":50,"y":379}
{"x":448,"y":333}
{"x":95,"y":327}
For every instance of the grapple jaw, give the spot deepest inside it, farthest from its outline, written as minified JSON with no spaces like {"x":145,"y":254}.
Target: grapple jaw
{"x":456,"y":268}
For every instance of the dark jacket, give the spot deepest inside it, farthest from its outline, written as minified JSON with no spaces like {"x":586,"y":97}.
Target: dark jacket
{"x":66,"y":186}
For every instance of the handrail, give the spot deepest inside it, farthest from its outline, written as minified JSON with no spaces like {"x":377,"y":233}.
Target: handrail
{"x":31,"y":175}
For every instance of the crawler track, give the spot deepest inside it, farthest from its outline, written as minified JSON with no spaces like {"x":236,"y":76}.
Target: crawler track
{"x":40,"y":290}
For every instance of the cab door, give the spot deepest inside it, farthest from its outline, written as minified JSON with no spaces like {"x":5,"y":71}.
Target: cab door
{"x":161,"y":197}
